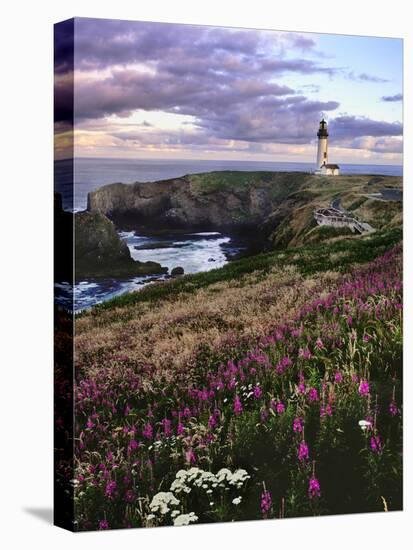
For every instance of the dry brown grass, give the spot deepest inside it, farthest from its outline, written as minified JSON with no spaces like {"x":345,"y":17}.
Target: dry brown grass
{"x":166,"y":334}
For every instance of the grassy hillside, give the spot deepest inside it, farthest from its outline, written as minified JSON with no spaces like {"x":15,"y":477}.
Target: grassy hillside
{"x":293,"y":224}
{"x":269,"y":388}
{"x":246,"y":384}
{"x":279,"y":184}
{"x":308,"y":260}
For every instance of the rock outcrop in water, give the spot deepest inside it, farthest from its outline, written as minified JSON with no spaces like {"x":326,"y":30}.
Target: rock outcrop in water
{"x":100,"y":252}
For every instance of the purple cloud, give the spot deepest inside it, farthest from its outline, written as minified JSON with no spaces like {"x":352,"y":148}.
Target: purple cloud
{"x":351,"y":126}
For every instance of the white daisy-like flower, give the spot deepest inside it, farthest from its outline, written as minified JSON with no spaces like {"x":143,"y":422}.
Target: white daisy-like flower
{"x":236,"y":501}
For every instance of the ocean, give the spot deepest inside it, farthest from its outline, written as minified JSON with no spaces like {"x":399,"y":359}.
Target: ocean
{"x":195,"y":252}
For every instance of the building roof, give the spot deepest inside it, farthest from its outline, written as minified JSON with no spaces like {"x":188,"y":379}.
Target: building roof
{"x":332,"y":166}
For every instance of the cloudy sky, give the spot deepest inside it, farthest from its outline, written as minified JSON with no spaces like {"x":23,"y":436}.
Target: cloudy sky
{"x":151,"y":90}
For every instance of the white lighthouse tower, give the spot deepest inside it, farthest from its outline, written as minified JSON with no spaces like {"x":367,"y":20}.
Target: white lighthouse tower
{"x":323,"y":167}
{"x":322,"y":149}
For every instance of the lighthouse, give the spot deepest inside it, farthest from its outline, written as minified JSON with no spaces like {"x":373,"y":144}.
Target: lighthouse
{"x":323,"y":167}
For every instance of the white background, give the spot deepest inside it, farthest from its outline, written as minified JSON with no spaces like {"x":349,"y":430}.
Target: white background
{"x":26,"y":162}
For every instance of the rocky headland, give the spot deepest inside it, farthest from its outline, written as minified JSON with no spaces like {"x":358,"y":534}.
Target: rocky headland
{"x":275,"y":207}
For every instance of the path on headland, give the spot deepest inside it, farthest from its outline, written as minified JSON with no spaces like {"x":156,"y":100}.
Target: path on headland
{"x":336,"y":216}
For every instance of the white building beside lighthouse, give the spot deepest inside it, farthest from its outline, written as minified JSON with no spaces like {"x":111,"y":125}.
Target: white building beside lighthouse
{"x":323,"y":168}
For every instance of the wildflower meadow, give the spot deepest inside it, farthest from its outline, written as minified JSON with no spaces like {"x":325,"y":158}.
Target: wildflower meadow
{"x":304,"y":419}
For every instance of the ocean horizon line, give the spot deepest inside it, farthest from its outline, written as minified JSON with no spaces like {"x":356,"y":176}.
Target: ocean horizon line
{"x":123,"y":159}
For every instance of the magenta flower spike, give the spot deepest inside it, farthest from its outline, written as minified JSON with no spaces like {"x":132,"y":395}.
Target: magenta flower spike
{"x":303,"y":453}
{"x":266,"y":502}
{"x":314,"y":488}
{"x":364,"y":388}
{"x":238,"y":408}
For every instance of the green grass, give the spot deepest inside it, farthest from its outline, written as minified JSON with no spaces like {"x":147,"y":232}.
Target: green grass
{"x":337,"y":256}
{"x":280,"y":184}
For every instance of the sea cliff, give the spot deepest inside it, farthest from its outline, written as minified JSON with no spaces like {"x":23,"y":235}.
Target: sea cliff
{"x":277,"y":207}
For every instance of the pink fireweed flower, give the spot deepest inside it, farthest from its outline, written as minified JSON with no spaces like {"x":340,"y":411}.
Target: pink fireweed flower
{"x":280,"y":408}
{"x":286,"y":361}
{"x":212,"y":422}
{"x":133,"y":445}
{"x":393,"y":410}
{"x":180,"y":429}
{"x":326,"y":411}
{"x":298,"y":425}
{"x":231,"y":384}
{"x":266,"y":502}
{"x":338,"y":377}
{"x":364,"y":388}
{"x":103,"y":524}
{"x":90,"y":424}
{"x":130,"y":496}
{"x":319,"y":343}
{"x":257,"y":392}
{"x":203,"y":395}
{"x":147,"y":431}
{"x":281,"y":367}
{"x":166,"y":423}
{"x":375,"y":444}
{"x":312,"y":395}
{"x":304,"y":353}
{"x":366,"y":338}
{"x":110,"y":488}
{"x":314,"y":488}
{"x":301,"y":385}
{"x":238,"y":408}
{"x":190,"y":456}
{"x":264,"y":415}
{"x":303,"y":451}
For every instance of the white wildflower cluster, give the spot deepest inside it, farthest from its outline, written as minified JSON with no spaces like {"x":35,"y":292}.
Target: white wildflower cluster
{"x":236,"y":479}
{"x":162,"y":502}
{"x":185,"y":519}
{"x":186,"y":480}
